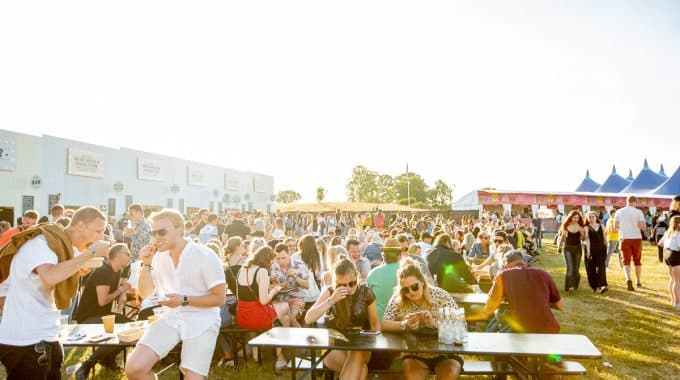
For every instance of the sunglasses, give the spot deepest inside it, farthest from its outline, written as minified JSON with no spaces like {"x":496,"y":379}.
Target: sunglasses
{"x":160,"y":233}
{"x":350,"y":284}
{"x":497,"y":240}
{"x":41,"y":349}
{"x":412,"y":288}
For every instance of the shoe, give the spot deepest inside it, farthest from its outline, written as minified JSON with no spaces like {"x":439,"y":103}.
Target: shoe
{"x":571,"y":290}
{"x":279,"y":366}
{"x":630,"y":285}
{"x":603,"y":289}
{"x":639,"y":284}
{"x":83,"y":372}
{"x":226,"y":363}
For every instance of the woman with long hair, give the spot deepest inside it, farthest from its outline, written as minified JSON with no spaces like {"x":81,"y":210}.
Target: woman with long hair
{"x":348,"y":305}
{"x":308,"y":254}
{"x":572,"y":235}
{"x":671,"y":242}
{"x":596,"y":254}
{"x":414,"y":306}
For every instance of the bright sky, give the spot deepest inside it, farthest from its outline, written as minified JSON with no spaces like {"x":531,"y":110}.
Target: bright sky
{"x":513,"y":95}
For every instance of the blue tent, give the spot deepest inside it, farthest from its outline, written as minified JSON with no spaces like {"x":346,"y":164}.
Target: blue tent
{"x":613,"y":184}
{"x":587,"y":185}
{"x":662,"y":172}
{"x":630,"y":177}
{"x":671,"y":186}
{"x":646,"y":181}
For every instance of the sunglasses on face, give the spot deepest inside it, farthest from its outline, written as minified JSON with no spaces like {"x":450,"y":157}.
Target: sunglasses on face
{"x":411,"y":288}
{"x":41,"y":349}
{"x":350,"y":284}
{"x":497,"y":240}
{"x":160,"y":233}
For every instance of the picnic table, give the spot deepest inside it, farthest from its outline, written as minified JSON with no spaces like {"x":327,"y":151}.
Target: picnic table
{"x":470,"y":298}
{"x":536,"y":348}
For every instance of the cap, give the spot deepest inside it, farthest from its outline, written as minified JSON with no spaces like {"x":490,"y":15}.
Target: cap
{"x":514,"y":255}
{"x":509,"y":226}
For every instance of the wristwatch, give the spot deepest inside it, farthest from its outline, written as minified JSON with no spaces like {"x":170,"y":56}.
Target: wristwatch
{"x":403,"y":325}
{"x":186,"y":301}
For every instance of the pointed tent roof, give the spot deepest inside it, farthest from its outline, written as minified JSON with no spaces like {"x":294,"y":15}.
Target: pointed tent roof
{"x":645,"y":182}
{"x":662,"y":172}
{"x":587,"y":185}
{"x":671,"y":186}
{"x":467,"y":202}
{"x":630,"y":177}
{"x":613,"y":184}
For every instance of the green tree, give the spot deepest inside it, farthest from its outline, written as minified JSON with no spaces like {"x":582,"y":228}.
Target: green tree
{"x":370,"y":186}
{"x":419,"y":189}
{"x":287,"y":196}
{"x":320,"y":194}
{"x":440,"y":196}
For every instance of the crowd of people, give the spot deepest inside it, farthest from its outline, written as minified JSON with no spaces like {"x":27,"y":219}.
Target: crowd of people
{"x":367,"y":271}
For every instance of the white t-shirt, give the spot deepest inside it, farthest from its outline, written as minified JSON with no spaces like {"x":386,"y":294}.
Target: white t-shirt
{"x":627,"y":219}
{"x":30,"y":314}
{"x":278,"y":234}
{"x":198,"y":270}
{"x":206,"y":233}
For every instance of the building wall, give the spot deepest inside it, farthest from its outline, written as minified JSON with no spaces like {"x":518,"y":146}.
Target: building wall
{"x":47,"y":156}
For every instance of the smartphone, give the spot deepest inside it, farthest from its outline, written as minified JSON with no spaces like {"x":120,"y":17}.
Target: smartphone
{"x":369,"y":332}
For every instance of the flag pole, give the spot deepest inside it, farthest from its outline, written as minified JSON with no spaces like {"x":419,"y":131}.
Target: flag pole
{"x":408,"y":186}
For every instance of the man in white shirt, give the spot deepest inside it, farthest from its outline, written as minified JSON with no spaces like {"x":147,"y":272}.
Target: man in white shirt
{"x":189,"y":279}
{"x":29,"y":348}
{"x":630,"y":223}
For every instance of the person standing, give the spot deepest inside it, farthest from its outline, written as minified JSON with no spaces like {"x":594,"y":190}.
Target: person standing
{"x":138,"y":230}
{"x":572,"y":235}
{"x":44,"y":265}
{"x":660,"y":228}
{"x":237,"y":227}
{"x":29,"y":220}
{"x":612,"y":240}
{"x":630,"y":223}
{"x":671,"y":242}
{"x":538,"y":230}
{"x":596,"y":253}
{"x":190,"y":278}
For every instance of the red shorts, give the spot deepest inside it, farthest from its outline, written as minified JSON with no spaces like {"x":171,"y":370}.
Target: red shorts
{"x":252,"y":315}
{"x":632,"y":249}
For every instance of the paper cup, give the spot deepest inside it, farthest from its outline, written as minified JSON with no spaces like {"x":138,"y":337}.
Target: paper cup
{"x":109,"y":322}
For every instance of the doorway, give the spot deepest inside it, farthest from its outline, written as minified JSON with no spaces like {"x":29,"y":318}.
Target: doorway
{"x":7,"y":214}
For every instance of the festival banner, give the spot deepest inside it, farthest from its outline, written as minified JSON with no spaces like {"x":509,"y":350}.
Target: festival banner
{"x":85,"y":163}
{"x":150,"y":169}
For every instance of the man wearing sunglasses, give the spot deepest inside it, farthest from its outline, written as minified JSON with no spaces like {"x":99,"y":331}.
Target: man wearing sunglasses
{"x":189,"y":278}
{"x":29,"y":348}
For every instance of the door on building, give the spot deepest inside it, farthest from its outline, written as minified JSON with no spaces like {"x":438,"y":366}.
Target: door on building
{"x":7,"y":214}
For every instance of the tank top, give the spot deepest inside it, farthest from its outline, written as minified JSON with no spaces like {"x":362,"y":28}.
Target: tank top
{"x":250,"y":292}
{"x":596,"y":237}
{"x":573,"y":238}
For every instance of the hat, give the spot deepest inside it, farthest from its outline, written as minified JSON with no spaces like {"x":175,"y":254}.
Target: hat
{"x":514,"y":255}
{"x":501,"y":234}
{"x":392,"y":245}
{"x":509,"y":227}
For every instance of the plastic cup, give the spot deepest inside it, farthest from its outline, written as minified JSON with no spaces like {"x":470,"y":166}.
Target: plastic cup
{"x":63,"y":323}
{"x":109,"y":322}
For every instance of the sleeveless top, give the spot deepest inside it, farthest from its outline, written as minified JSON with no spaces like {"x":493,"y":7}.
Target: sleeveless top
{"x":596,"y":237}
{"x":250,"y":292}
{"x":573,"y":238}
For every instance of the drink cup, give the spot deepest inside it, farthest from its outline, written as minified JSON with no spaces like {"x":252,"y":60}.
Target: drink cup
{"x":109,"y":321}
{"x":63,"y":324}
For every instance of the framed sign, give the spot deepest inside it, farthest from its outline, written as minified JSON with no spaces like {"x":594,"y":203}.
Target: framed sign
{"x":231,"y":181}
{"x":197,"y":176}
{"x":150,"y":169}
{"x":112,"y":206}
{"x":85,"y":163}
{"x":28,"y":203}
{"x":8,"y":154}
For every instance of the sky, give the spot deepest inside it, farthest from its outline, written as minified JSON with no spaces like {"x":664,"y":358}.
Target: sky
{"x":522,"y":95}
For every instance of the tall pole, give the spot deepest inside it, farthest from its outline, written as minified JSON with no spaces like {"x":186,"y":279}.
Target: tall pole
{"x":408,"y":186}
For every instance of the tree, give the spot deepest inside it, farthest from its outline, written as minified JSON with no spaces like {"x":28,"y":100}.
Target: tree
{"x":320,"y":194}
{"x":440,"y":196}
{"x":370,"y":186}
{"x":287,"y":196}
{"x":417,"y":184}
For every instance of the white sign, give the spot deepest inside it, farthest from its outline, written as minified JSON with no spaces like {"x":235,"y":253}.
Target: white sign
{"x":85,"y":163}
{"x":231,"y":181}
{"x":150,"y":169}
{"x":8,"y":154}
{"x":259,"y":184}
{"x":197,"y":176}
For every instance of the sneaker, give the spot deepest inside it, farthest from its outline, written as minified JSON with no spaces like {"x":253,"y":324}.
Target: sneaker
{"x":639,"y":284}
{"x":571,"y":290}
{"x":630,"y":285}
{"x":603,"y":290}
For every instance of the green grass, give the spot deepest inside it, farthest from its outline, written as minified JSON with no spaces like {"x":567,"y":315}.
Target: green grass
{"x":637,"y":332}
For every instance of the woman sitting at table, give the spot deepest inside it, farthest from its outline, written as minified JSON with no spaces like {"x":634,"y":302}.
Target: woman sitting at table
{"x":481,"y":249}
{"x":348,"y":305}
{"x":413,"y":307}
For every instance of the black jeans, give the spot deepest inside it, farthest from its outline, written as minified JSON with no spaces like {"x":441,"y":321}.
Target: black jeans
{"x":572,"y":257}
{"x":21,"y":362}
{"x":597,"y":272}
{"x":104,"y":355}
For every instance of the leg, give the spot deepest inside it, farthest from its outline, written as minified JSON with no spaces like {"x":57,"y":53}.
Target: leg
{"x":140,"y":364}
{"x":577,"y":265}
{"x":660,"y":249}
{"x":335,"y":360}
{"x":355,"y":365}
{"x":675,"y":277}
{"x":197,"y":353}
{"x":601,"y":271}
{"x":568,"y":277}
{"x":415,"y":369}
{"x":637,"y":260}
{"x":590,"y":272}
{"x":627,"y":256}
{"x":448,"y":369}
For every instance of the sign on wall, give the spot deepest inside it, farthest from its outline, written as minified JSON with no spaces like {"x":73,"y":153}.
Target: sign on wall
{"x":85,"y":163}
{"x":150,"y":169}
{"x":28,"y":203}
{"x":197,"y":176}
{"x":8,"y":154}
{"x":259,"y":184}
{"x":231,"y":181}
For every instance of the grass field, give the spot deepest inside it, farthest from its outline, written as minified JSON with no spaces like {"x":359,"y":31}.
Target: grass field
{"x":637,"y":332}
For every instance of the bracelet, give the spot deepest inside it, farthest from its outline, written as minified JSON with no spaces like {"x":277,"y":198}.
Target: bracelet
{"x":147,"y":265}
{"x":330,"y":301}
{"x":91,"y":249}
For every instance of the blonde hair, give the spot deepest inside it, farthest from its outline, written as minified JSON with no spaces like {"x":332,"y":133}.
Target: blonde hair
{"x":410,"y":268}
{"x":175,"y":218}
{"x":335,"y":253}
{"x":86,"y":215}
{"x":675,"y":205}
{"x":673,"y":227}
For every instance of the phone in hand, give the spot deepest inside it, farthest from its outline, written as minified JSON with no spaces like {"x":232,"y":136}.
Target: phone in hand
{"x":369,"y":332}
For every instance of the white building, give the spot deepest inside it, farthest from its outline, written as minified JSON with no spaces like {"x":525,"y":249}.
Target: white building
{"x":38,"y":171}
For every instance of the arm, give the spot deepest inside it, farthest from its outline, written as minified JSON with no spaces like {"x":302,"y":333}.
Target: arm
{"x":105,"y":298}
{"x":145,"y":286}
{"x":373,"y":319}
{"x":557,"y":305}
{"x":52,"y":274}
{"x":587,"y":240}
{"x":266,"y":295}
{"x":496,"y":296}
{"x":321,"y":306}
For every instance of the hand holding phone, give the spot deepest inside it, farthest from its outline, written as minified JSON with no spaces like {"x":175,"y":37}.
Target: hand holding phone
{"x":369,"y":332}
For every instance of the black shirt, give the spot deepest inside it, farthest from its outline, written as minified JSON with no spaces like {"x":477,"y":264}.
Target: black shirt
{"x":237,"y":228}
{"x":88,"y":306}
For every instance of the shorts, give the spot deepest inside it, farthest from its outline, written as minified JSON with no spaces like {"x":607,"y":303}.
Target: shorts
{"x":631,"y":249}
{"x":672,"y":258}
{"x":197,"y":352}
{"x":252,"y":315}
{"x":432,"y":363}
